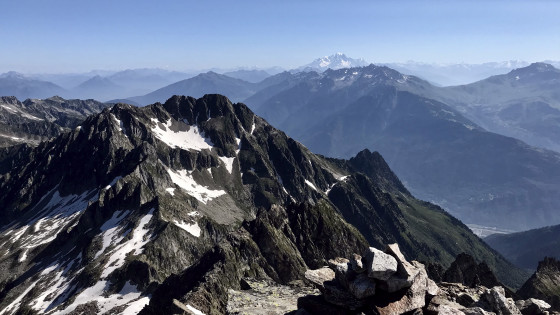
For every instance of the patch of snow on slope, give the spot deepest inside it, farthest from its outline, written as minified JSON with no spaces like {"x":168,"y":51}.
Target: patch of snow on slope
{"x":133,"y":245}
{"x":54,"y":213}
{"x":310,"y":184}
{"x":119,"y":123}
{"x":113,"y":182}
{"x":192,"y":139}
{"x":16,"y":303}
{"x":171,"y":191}
{"x":184,"y":180}
{"x":228,"y":161}
{"x":128,"y":295}
{"x":110,"y":230}
{"x":192,"y":228}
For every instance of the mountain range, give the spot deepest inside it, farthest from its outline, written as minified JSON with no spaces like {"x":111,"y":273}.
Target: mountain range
{"x":524,"y":104}
{"x":526,"y":249}
{"x":440,"y":154}
{"x":141,"y":207}
{"x":451,"y":152}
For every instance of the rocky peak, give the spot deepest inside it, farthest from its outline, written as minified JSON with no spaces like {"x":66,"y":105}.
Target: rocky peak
{"x":9,"y":100}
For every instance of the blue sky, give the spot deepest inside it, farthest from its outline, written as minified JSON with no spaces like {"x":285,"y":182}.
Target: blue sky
{"x":77,"y":36}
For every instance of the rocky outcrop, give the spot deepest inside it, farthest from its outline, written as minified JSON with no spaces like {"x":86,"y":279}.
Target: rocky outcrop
{"x":382,"y":289}
{"x":544,"y":284}
{"x":388,"y":284}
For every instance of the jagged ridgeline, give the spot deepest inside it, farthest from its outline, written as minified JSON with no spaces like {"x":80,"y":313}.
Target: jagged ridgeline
{"x":182,"y":200}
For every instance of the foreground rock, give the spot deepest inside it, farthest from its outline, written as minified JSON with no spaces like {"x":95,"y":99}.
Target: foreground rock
{"x":392,"y":285}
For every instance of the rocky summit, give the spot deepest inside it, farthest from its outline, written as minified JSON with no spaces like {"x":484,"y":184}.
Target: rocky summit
{"x":194,"y":204}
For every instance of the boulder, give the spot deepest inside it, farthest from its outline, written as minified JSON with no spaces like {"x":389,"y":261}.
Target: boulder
{"x":414,"y":297}
{"x":498,"y":302}
{"x":319,"y":276}
{"x":362,"y":287}
{"x":380,"y":265}
{"x":404,"y":277}
{"x":342,"y":270}
{"x":431,"y":287}
{"x":532,"y":306}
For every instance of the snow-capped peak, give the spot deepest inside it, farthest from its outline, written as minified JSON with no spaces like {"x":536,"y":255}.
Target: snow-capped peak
{"x":336,"y":61}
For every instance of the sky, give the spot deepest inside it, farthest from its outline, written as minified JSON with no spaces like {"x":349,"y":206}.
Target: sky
{"x":65,"y":36}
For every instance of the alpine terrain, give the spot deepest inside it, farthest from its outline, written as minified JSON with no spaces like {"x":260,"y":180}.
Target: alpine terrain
{"x":440,"y":154}
{"x":182,"y":206}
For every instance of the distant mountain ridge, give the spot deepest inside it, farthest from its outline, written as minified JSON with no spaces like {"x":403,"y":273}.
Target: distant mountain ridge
{"x":526,"y":249}
{"x":22,"y":87}
{"x":36,"y":120}
{"x":440,"y":155}
{"x":524,"y":103}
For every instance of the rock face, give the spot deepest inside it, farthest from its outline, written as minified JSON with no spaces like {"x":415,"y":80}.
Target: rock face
{"x":544,"y":284}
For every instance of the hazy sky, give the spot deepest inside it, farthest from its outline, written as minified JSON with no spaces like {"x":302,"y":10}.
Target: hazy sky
{"x":75,"y":36}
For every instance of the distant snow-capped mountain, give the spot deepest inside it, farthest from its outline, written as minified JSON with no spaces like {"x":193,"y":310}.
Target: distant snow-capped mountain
{"x":336,"y":61}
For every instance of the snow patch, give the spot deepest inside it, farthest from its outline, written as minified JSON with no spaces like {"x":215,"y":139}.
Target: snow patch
{"x":192,"y":228}
{"x":228,"y":161}
{"x":134,"y":245}
{"x":171,"y":191}
{"x":128,"y":294}
{"x":310,"y":184}
{"x":194,"y":310}
{"x":119,"y":124}
{"x":184,"y":180}
{"x":113,"y":182}
{"x":253,"y":127}
{"x":192,"y":139}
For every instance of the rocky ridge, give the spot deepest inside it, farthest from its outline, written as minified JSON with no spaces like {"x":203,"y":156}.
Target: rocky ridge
{"x":147,"y":209}
{"x":35,"y":120}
